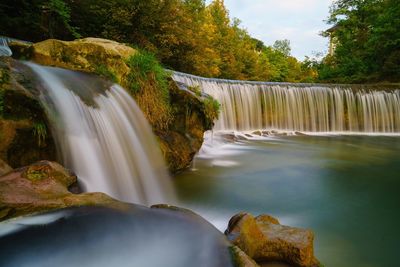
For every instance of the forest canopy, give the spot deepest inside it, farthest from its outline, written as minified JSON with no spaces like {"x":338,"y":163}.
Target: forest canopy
{"x":192,"y":37}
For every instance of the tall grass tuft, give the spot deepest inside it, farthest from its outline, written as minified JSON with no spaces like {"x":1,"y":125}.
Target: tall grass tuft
{"x":148,"y":82}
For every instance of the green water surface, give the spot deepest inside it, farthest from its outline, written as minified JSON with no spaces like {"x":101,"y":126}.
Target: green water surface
{"x":345,"y":188}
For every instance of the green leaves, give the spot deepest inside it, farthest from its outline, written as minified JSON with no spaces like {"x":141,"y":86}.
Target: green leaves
{"x":367,"y":42}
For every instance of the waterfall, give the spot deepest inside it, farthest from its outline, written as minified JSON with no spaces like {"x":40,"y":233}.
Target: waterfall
{"x":5,"y":51}
{"x":103,"y":137}
{"x":300,"y":107}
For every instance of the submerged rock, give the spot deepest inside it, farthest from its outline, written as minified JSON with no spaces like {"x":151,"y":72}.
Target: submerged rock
{"x":104,"y":237}
{"x":41,"y":187}
{"x":265,"y":240}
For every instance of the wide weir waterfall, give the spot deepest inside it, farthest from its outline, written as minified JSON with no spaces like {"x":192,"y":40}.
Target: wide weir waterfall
{"x":247,"y":106}
{"x":102,"y":136}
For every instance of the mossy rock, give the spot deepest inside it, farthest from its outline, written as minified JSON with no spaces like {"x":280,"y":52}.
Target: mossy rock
{"x":42,"y":187}
{"x":88,"y":54}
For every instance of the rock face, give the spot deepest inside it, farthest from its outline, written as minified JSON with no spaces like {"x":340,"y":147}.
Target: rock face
{"x":184,"y":138}
{"x":265,"y":240}
{"x":179,"y":140}
{"x":24,"y":134}
{"x":41,"y":187}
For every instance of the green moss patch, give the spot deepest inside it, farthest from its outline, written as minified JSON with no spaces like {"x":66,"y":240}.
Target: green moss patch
{"x":35,"y":174}
{"x":211,"y":109}
{"x":103,"y":71}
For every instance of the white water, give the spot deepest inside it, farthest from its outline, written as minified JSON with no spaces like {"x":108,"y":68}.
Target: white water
{"x":4,"y":49}
{"x":247,"y":106}
{"x":109,"y":144}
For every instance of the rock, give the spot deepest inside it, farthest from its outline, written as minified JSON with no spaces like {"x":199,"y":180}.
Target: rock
{"x":21,"y":50}
{"x":41,"y":187}
{"x":265,"y":240}
{"x":88,"y":54}
{"x":98,"y":236}
{"x":21,"y":118}
{"x":241,"y":259}
{"x":4,"y":168}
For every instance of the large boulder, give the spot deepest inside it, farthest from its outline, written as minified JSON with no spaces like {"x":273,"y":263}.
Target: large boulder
{"x":98,"y":236}
{"x":41,"y":187}
{"x":88,"y":54}
{"x":265,"y":240}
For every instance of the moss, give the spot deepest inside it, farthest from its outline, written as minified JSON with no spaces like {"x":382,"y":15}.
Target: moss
{"x":195,"y":89}
{"x":103,"y":71}
{"x":1,"y":103}
{"x":4,"y":76}
{"x":65,"y":57}
{"x":234,"y":257}
{"x":35,"y":174}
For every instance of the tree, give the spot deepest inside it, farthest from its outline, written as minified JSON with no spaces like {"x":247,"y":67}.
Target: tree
{"x":368,"y":41}
{"x":283,"y":46}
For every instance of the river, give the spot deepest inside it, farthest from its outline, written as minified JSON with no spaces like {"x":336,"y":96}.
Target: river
{"x":345,"y":188}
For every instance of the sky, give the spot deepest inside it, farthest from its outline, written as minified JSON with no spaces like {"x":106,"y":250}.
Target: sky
{"x":299,"y":21}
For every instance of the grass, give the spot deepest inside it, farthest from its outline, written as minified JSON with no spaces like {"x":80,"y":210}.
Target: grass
{"x":40,"y":131}
{"x":103,"y":71}
{"x":148,"y":83}
{"x":196,"y":90}
{"x":144,"y":67}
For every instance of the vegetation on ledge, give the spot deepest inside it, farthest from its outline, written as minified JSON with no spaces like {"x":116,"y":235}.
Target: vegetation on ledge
{"x":148,"y":83}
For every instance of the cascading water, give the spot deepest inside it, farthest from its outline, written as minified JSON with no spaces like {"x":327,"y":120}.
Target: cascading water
{"x":305,"y":108}
{"x":102,"y":136}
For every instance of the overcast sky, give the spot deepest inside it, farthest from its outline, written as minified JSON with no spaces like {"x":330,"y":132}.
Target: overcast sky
{"x":300,"y":21}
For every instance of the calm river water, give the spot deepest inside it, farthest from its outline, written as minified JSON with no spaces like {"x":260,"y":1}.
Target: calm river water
{"x":345,"y":188}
